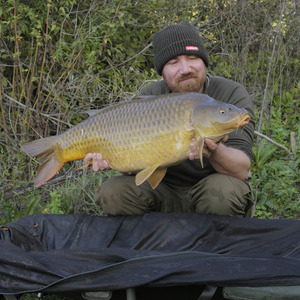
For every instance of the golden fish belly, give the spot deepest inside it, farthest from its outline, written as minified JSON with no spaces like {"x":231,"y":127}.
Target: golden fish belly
{"x":78,"y":149}
{"x":164,"y":151}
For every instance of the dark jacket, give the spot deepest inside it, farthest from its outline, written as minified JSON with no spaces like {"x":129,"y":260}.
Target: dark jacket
{"x":190,"y":172}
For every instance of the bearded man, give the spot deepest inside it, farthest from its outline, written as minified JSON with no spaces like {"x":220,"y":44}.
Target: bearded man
{"x":221,"y":187}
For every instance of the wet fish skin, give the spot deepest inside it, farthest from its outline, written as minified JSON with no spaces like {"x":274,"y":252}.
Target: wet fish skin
{"x":144,"y":136}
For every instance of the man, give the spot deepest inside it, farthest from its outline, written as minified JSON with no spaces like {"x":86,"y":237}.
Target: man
{"x":221,"y":186}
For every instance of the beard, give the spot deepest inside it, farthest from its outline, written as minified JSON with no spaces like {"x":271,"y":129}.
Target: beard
{"x":195,"y":83}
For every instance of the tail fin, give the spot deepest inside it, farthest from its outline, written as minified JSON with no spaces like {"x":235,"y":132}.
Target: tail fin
{"x":44,"y":148}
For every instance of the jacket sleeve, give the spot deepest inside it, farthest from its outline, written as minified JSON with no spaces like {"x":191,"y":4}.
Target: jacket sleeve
{"x":243,"y":138}
{"x":155,"y":88}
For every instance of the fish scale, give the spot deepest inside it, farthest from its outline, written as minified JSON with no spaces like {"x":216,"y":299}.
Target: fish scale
{"x":144,"y":136}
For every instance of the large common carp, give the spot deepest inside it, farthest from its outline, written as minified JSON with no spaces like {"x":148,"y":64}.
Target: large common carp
{"x":144,"y":136}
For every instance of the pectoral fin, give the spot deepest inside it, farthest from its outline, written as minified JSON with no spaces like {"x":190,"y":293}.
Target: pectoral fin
{"x":152,"y":174}
{"x":201,"y":145}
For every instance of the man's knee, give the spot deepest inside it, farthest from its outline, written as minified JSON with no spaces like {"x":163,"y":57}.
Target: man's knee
{"x":119,"y":195}
{"x":221,"y":195}
{"x":104,"y":196}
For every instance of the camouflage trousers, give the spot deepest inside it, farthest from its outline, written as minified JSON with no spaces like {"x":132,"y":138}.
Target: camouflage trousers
{"x":216,"y":194}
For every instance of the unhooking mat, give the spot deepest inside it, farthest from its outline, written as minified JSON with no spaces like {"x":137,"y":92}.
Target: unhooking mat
{"x":60,"y":253}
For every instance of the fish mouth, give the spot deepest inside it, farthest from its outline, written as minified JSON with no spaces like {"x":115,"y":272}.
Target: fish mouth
{"x":244,"y":120}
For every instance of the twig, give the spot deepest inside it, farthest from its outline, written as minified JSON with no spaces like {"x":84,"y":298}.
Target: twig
{"x":273,"y":142}
{"x":44,"y":55}
{"x":126,"y":61}
{"x":34,"y":110}
{"x":270,"y":66}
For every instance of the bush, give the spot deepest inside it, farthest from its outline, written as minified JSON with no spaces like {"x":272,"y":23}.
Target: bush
{"x":60,"y":58}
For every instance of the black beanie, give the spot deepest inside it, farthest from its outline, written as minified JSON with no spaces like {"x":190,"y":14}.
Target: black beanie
{"x":174,"y":40}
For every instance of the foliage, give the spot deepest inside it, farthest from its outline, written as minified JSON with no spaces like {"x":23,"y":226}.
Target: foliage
{"x":74,"y":196}
{"x":16,"y":208}
{"x":275,"y":183}
{"x":32,"y":296}
{"x":59,"y":58}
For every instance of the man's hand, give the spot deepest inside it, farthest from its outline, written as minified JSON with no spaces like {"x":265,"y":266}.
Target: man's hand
{"x":209,"y":148}
{"x":96,"y":161}
{"x":225,"y":160}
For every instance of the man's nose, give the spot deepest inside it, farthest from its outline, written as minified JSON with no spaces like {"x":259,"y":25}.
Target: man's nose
{"x":185,"y":67}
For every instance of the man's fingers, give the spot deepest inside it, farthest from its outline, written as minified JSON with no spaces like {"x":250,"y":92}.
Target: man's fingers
{"x":97,"y":157}
{"x":225,"y":138}
{"x":193,"y":145}
{"x":194,"y":154}
{"x":209,"y":143}
{"x":96,"y":161}
{"x":87,"y":158}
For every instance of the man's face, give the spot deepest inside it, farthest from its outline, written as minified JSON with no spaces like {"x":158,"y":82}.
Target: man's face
{"x":185,"y":73}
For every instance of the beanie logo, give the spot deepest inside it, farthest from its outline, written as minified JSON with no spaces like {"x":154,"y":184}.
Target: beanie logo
{"x":194,"y":48}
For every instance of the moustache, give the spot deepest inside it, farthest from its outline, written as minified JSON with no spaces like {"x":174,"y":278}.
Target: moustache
{"x":184,"y":77}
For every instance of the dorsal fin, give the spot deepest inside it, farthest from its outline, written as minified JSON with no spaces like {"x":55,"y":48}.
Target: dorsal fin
{"x":144,"y":97}
{"x":92,"y":112}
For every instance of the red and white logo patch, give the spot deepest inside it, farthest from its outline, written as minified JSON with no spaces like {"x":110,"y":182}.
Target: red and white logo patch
{"x":193,"y":48}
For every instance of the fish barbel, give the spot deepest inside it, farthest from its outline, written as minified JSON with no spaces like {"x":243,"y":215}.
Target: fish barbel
{"x":143,"y":136}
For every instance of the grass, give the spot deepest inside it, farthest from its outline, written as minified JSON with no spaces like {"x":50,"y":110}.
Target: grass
{"x":69,"y":192}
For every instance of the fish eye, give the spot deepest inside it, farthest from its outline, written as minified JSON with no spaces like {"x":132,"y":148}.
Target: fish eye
{"x":222,"y":111}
